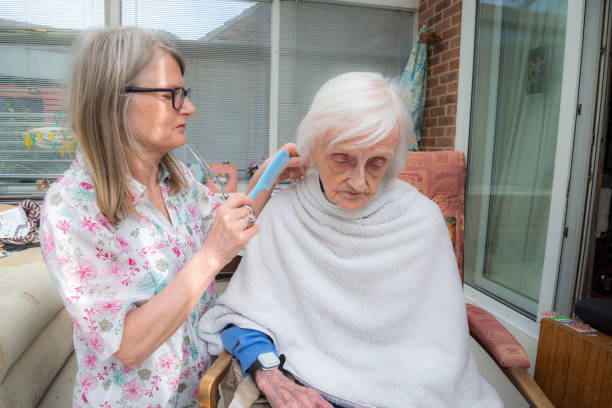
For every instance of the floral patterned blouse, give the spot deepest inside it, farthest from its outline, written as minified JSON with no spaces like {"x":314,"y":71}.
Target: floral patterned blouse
{"x":104,"y":271}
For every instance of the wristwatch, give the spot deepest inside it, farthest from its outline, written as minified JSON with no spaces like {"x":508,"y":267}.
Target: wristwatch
{"x":266,"y":361}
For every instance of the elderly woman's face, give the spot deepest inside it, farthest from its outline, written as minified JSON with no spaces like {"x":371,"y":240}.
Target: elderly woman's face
{"x":156,"y":125}
{"x":351,"y":173}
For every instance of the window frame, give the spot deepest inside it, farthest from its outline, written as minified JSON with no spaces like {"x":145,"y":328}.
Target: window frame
{"x":567,"y":120}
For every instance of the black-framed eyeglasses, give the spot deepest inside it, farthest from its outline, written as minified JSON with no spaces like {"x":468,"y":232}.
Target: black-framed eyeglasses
{"x":178,"y":94}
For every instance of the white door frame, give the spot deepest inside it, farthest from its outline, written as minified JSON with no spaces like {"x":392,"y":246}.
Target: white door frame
{"x":586,"y":157}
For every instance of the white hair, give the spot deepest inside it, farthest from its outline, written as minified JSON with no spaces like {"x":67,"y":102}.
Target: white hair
{"x":355,"y":105}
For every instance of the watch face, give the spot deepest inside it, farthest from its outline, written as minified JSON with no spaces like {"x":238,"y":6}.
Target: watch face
{"x":268,"y":360}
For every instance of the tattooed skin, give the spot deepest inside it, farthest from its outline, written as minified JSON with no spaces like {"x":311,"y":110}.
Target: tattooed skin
{"x":281,"y":392}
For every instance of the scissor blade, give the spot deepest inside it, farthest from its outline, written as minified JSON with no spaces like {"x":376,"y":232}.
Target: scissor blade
{"x":210,"y":172}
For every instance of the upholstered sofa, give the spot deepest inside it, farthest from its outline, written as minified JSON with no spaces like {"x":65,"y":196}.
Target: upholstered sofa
{"x":37,"y":364}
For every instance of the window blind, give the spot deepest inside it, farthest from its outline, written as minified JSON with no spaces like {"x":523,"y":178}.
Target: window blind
{"x":226,"y":46}
{"x":319,"y":41}
{"x":35,"y":47}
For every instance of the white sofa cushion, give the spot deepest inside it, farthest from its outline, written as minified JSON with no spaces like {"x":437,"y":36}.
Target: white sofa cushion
{"x":59,"y":393}
{"x":28,"y":302}
{"x":30,"y":376}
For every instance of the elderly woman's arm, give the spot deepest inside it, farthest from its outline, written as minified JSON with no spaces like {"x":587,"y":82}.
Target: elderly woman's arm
{"x":150,"y":325}
{"x":246,"y":345}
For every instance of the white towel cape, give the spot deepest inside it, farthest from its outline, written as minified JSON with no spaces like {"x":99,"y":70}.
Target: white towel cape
{"x":367,"y":305}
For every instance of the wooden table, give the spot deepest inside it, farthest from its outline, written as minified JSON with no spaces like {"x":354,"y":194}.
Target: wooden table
{"x":574,"y":370}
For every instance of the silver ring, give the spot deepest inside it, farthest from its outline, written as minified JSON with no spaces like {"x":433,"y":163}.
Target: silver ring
{"x":253,"y":213}
{"x":250,"y":220}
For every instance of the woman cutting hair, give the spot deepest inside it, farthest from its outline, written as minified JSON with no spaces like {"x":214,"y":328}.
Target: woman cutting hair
{"x":131,"y":240}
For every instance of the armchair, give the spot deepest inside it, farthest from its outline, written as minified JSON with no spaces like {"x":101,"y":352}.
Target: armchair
{"x":441,"y":177}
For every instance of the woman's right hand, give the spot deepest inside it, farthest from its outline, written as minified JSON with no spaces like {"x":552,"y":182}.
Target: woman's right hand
{"x":229,"y":232}
{"x":281,"y":392}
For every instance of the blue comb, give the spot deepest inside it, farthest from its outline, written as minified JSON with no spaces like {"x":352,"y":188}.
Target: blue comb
{"x":274,"y":169}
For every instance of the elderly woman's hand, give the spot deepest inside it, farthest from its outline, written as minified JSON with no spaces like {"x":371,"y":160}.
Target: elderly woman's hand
{"x":281,"y":392}
{"x":296,"y":167}
{"x":230,"y":231}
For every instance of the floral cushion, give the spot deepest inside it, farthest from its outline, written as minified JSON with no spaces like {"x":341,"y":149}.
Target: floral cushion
{"x":440,"y":176}
{"x":495,"y":338}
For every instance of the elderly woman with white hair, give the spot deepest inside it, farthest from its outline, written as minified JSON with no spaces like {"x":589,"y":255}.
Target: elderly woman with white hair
{"x":352,"y":278}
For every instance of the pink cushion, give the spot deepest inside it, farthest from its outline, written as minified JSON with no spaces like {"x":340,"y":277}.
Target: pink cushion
{"x":495,"y":339}
{"x":440,"y":176}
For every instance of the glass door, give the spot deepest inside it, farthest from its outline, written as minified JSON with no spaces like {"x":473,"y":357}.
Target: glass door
{"x":520,"y":147}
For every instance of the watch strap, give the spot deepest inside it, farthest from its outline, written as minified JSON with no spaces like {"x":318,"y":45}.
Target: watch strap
{"x":257,"y":365}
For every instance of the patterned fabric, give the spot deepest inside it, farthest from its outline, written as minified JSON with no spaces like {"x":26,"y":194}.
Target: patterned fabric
{"x":414,"y":79}
{"x":104,"y":271}
{"x":441,"y":177}
{"x":494,"y":337}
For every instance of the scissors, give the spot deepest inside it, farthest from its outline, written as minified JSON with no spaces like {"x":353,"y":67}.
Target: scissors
{"x":224,"y":194}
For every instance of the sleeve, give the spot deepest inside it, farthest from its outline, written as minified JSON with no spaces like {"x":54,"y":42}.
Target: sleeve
{"x":98,"y":283}
{"x":246,"y":345}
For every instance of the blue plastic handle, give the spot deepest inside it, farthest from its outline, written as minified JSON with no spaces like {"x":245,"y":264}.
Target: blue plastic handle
{"x":274,"y":169}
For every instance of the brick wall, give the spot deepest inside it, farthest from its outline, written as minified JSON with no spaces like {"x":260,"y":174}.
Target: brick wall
{"x":438,"y":127}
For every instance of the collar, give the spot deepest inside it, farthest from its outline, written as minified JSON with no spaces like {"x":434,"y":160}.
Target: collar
{"x":137,"y":189}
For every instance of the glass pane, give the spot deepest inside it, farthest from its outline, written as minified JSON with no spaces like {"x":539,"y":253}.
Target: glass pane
{"x":319,"y":41}
{"x":226,"y":46}
{"x":35,"y":41}
{"x":518,"y":70}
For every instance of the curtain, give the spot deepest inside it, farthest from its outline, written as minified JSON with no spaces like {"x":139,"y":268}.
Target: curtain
{"x":528,"y":101}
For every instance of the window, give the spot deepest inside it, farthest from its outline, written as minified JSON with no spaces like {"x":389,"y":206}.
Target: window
{"x":514,"y":129}
{"x":227,"y":46}
{"x":35,"y":146}
{"x":319,"y":41}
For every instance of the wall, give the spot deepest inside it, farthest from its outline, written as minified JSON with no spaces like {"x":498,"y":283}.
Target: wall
{"x":438,"y":127}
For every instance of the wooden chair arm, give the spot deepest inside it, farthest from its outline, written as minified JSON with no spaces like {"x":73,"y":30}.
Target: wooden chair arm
{"x":209,"y":383}
{"x":526,"y":385}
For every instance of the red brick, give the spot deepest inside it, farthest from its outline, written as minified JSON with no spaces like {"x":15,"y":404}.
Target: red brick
{"x":433,"y":82}
{"x":433,"y":20}
{"x":442,"y":68}
{"x":453,"y":65}
{"x":427,"y":13}
{"x":442,"y":5}
{"x":433,"y":60}
{"x":452,"y":10}
{"x":442,"y":46}
{"x":430,"y":122}
{"x":451,"y":110}
{"x":455,"y":42}
{"x":452,"y":88}
{"x":438,"y":111}
{"x":437,"y":131}
{"x":442,"y":26}
{"x":450,"y":77}
{"x":428,"y":142}
{"x":447,"y":99}
{"x":430,"y":102}
{"x":456,"y":20}
{"x":445,"y":142}
{"x":450,"y":55}
{"x":449,"y":131}
{"x":451,"y":32}
{"x":438,"y":90}
{"x":446,"y":121}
